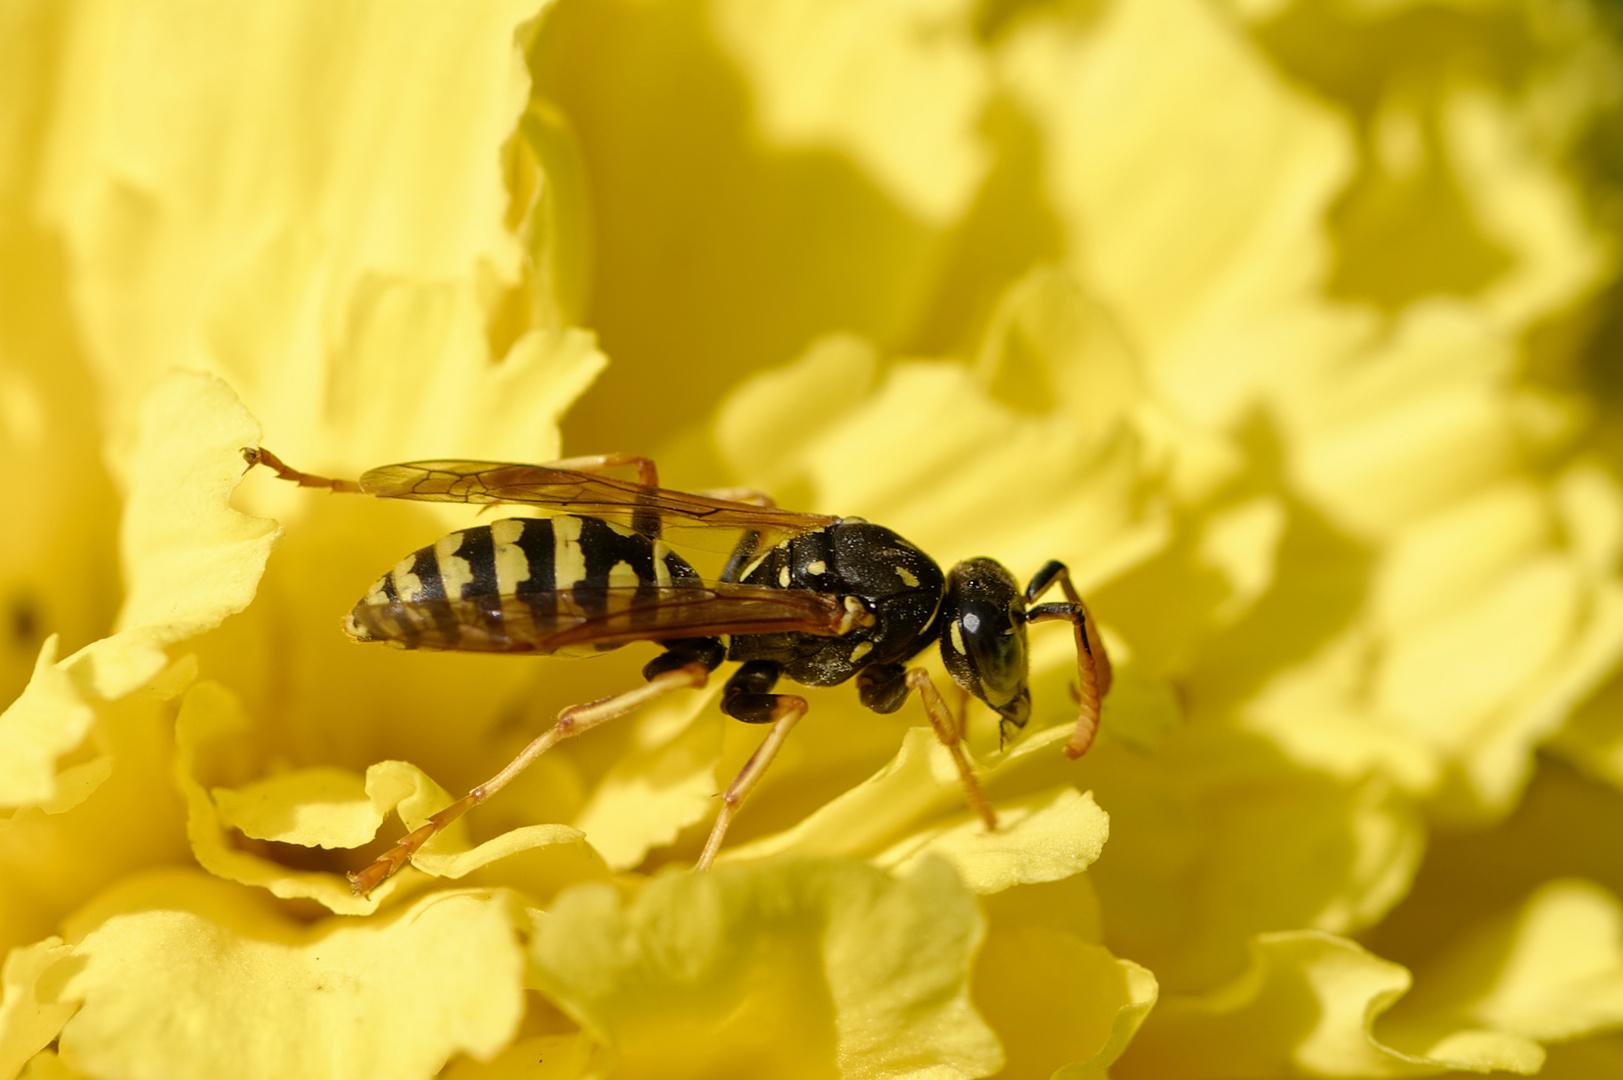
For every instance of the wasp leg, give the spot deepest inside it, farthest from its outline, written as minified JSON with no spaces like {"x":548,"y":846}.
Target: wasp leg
{"x":644,"y":520}
{"x":950,"y":732}
{"x":1092,"y":662}
{"x":258,"y":455}
{"x":748,"y":697}
{"x":647,"y":471}
{"x":571,"y":722}
{"x":785,"y":714}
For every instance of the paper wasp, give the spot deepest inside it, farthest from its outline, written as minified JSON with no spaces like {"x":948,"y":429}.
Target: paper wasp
{"x":819,"y":600}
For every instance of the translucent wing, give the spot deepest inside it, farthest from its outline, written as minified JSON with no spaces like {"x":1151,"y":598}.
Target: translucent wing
{"x":565,"y":491}
{"x":588,"y":618}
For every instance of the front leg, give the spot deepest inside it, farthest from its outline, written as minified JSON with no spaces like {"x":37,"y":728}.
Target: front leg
{"x":884,"y":687}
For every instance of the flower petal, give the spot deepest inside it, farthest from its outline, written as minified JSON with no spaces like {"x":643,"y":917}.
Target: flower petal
{"x":1306,"y":1006}
{"x":49,"y":719}
{"x":795,"y":968}
{"x":190,"y":560}
{"x":393,"y":996}
{"x":26,"y":1023}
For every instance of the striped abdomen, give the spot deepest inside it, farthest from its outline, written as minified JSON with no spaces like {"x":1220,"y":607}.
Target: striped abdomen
{"x":511,"y":585}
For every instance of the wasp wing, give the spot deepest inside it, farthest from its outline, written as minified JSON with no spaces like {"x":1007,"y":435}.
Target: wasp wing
{"x":595,"y":618}
{"x":566,"y":491}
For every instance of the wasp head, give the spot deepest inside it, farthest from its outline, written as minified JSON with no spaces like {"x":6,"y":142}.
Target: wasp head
{"x":983,"y":641}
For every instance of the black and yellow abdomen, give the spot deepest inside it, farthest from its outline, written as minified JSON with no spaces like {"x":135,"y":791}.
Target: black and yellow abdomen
{"x":511,"y":585}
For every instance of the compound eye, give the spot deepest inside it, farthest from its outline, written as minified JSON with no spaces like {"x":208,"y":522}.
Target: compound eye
{"x":996,"y":647}
{"x":984,"y":646}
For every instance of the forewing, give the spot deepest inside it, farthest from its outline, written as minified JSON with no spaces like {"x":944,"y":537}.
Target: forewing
{"x":589,"y":618}
{"x":566,"y":491}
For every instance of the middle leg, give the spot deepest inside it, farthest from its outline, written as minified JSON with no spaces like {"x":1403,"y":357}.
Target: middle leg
{"x":748,"y":697}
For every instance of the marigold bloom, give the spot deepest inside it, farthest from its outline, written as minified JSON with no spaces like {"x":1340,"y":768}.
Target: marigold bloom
{"x":1271,"y":329}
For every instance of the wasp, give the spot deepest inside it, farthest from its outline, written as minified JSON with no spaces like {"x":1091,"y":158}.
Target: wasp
{"x":815,"y":599}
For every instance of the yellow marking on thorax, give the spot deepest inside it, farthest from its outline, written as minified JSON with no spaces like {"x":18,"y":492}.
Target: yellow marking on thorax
{"x":512,"y":565}
{"x":455,"y":571}
{"x":816,"y":566}
{"x":783,"y":577}
{"x":662,"y":572}
{"x":622,"y":576}
{"x":568,"y":560}
{"x":909,"y":578}
{"x":861,"y":649}
{"x":755,"y":564}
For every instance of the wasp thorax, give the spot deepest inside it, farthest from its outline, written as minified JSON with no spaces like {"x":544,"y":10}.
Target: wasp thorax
{"x":984,"y":644}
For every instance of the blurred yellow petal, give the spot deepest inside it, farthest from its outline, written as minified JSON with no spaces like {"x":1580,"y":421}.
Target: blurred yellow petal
{"x":661,"y":783}
{"x":848,"y":134}
{"x":1201,"y":832}
{"x":539,"y":1057}
{"x":46,"y":1065}
{"x":1190,"y":180}
{"x":1307,"y":1006}
{"x":897,"y":88}
{"x":26,"y":1023}
{"x":1552,"y":973}
{"x":1052,"y":994}
{"x":392,"y":997}
{"x":48,"y":720}
{"x":798,"y":969}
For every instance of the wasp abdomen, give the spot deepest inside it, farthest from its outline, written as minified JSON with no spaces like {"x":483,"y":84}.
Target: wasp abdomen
{"x":462,"y":592}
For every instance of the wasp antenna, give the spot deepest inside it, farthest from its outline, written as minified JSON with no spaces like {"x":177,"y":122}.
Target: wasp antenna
{"x":258,"y":455}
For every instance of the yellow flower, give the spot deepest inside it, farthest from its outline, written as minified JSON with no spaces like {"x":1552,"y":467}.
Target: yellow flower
{"x":1229,"y":307}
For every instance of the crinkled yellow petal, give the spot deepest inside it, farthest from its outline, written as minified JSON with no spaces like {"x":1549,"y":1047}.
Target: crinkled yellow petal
{"x":914,"y":809}
{"x":319,"y":807}
{"x":1306,"y":1006}
{"x":322,"y":808}
{"x":564,"y":856}
{"x":190,"y":560}
{"x":26,"y":1023}
{"x":114,"y":814}
{"x":214,"y":742}
{"x":178,"y":973}
{"x":794,"y":969}
{"x":261,"y":250}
